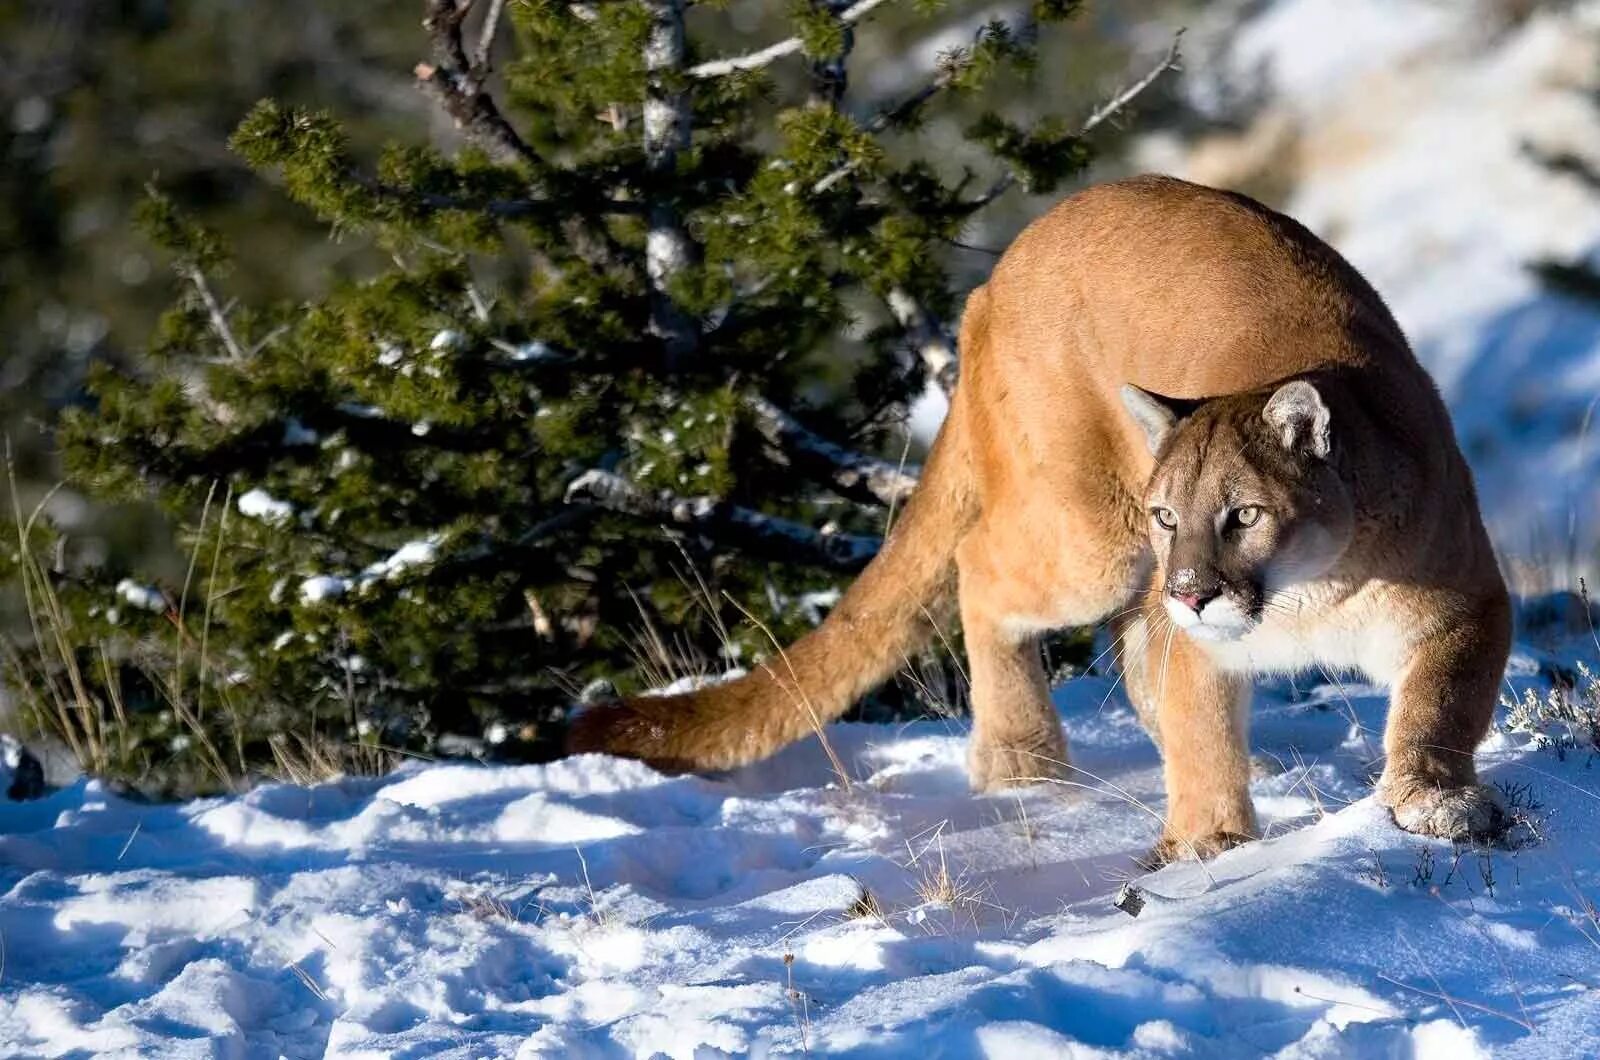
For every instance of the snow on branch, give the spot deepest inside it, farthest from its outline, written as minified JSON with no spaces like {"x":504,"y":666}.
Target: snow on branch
{"x":929,"y":336}
{"x":667,"y":131}
{"x":772,"y":53}
{"x":320,"y":588}
{"x":855,"y":476}
{"x":728,"y":524}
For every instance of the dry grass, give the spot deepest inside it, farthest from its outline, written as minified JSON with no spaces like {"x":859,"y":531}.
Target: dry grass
{"x":1028,"y":832}
{"x":71,"y":682}
{"x":600,"y":915}
{"x":965,"y":900}
{"x":313,"y":759}
{"x":938,"y":682}
{"x":481,"y":903}
{"x":801,"y":1002}
{"x":865,"y":905}
{"x":664,"y":661}
{"x":308,"y":982}
{"x":660,"y":661}
{"x":52,"y":683}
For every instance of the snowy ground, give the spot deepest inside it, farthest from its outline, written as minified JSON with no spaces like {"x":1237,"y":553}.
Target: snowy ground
{"x":593,"y":907}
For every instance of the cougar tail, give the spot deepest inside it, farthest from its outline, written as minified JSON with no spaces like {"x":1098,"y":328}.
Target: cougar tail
{"x":885,"y":616}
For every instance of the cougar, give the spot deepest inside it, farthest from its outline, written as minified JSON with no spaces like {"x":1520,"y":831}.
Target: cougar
{"x":1182,"y":414}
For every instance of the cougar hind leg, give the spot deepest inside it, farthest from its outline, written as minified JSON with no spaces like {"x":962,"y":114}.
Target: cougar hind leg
{"x":1005,"y":607}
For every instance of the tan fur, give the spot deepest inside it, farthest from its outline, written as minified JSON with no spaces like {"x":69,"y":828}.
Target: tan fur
{"x":1042,"y":496}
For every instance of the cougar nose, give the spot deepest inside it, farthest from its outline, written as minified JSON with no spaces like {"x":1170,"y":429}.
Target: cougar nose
{"x":1192,"y":589}
{"x":1195,"y":602}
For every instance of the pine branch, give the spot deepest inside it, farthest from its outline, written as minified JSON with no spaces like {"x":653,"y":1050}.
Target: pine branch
{"x":952,"y":63}
{"x":766,"y":536}
{"x":527,"y":551}
{"x":830,"y":75}
{"x":772,"y":53}
{"x":505,"y":209}
{"x":455,"y":83}
{"x":667,"y":130}
{"x":854,"y":476}
{"x":1101,"y":114}
{"x":881,"y":122}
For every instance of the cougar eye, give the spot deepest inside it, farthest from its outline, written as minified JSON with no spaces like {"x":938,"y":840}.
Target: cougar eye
{"x":1249,"y":515}
{"x":1166,"y":517}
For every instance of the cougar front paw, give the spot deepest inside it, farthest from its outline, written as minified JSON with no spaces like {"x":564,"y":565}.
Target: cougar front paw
{"x":1459,"y":812}
{"x":997,"y":766}
{"x":1202,"y":848}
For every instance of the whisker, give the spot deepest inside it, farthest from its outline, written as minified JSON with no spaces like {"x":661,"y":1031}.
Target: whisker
{"x":1150,"y":634}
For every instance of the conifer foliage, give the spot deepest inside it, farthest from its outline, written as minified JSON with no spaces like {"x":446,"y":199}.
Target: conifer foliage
{"x":637,"y":368}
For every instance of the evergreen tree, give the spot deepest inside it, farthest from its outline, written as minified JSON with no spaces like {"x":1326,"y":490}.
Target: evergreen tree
{"x":632,"y":378}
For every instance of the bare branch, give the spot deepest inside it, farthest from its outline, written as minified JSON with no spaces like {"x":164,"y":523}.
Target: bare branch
{"x":1109,"y":109}
{"x":214,"y":310}
{"x":481,"y":61}
{"x":772,"y":53}
{"x":951,"y":63}
{"x":506,"y":209}
{"x":456,"y":85}
{"x":1566,"y":163}
{"x":855,"y":476}
{"x":740,"y":528}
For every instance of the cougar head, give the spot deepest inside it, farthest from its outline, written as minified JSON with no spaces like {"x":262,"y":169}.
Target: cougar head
{"x":1243,"y":504}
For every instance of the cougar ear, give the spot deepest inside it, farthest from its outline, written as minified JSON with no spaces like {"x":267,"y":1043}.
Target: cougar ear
{"x":1299,"y":415}
{"x":1155,"y":413}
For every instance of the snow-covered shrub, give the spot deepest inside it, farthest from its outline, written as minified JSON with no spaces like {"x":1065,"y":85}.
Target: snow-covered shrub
{"x":1565,"y":718}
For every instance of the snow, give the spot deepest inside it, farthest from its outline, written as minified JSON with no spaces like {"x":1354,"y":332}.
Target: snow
{"x":296,"y":433}
{"x":323,"y":587}
{"x":259,"y":504}
{"x":410,"y":554}
{"x":532,"y":351}
{"x":1313,"y":52}
{"x":594,"y":907}
{"x":146,"y":597}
